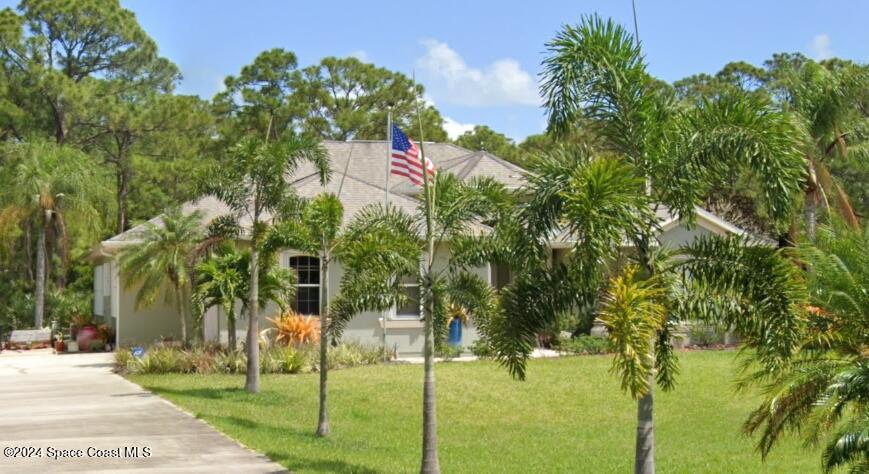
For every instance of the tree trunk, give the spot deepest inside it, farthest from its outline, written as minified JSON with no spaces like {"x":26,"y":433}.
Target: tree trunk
{"x":323,"y":417}
{"x":230,"y":327}
{"x":430,"y":462}
{"x":811,"y":215}
{"x":179,"y":295}
{"x":644,"y":462}
{"x":251,"y":383}
{"x":123,"y":192}
{"x":39,"y":304}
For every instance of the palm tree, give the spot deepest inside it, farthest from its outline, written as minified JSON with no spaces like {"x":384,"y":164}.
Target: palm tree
{"x":165,"y":250}
{"x":663,"y":155}
{"x":220,"y":282}
{"x":382,"y":245}
{"x":827,"y":101}
{"x":50,"y":187}
{"x":316,"y":230}
{"x":824,"y":390}
{"x":252,"y":182}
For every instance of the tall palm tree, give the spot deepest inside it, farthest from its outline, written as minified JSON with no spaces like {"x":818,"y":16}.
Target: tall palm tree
{"x":827,"y":101}
{"x":317,"y":231}
{"x":823,"y":393}
{"x":252,"y":182}
{"x":49,"y":188}
{"x":165,"y":251}
{"x":383,"y":245}
{"x":596,"y":71}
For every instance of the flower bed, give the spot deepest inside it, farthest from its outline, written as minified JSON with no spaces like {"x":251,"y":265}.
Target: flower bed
{"x":161,"y":359}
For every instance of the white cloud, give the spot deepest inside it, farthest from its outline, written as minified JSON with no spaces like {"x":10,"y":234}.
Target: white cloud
{"x":821,"y":47}
{"x":455,"y":128}
{"x":360,"y":55}
{"x":503,"y":82}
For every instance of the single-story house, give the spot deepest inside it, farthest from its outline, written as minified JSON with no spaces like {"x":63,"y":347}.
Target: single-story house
{"x":359,"y":172}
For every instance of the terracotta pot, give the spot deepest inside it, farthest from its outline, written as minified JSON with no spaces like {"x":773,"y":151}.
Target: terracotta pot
{"x":59,"y":346}
{"x":85,"y":336}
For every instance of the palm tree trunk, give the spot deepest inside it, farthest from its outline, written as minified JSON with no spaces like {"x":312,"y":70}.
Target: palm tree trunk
{"x":644,"y":451}
{"x":230,"y":326}
{"x":811,"y":215}
{"x":323,"y":417}
{"x":251,"y":383}
{"x":644,"y":462}
{"x":430,"y":462}
{"x":39,"y":304}
{"x":179,"y":296}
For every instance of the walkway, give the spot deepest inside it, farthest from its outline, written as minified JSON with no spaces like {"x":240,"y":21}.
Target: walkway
{"x":74,"y":402}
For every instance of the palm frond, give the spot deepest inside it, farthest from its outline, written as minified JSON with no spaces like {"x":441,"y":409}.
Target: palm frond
{"x":633,"y":313}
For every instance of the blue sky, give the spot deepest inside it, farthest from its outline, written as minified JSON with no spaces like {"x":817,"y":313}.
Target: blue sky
{"x":479,"y":59}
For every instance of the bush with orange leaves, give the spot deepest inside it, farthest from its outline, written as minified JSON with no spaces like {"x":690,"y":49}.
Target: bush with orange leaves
{"x":294,"y":329}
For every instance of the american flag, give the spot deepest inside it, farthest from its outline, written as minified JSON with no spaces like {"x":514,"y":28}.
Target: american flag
{"x":405,"y":158}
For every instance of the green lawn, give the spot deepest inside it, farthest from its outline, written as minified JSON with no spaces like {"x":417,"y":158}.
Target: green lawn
{"x":569,"y":416}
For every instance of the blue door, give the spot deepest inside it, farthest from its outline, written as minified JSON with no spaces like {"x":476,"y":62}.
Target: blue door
{"x":455,"y":337}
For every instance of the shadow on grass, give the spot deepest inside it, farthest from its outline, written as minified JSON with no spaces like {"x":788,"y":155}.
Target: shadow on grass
{"x":264,"y":399}
{"x":209,"y":393}
{"x":319,"y":465}
{"x":294,"y":462}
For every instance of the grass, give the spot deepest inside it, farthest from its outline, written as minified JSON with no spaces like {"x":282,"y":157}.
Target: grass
{"x":569,"y":416}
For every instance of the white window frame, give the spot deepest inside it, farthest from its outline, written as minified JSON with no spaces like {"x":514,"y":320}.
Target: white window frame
{"x":292,"y":254}
{"x":394,"y":314}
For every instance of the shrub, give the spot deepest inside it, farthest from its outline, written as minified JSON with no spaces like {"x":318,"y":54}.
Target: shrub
{"x":586,"y":345}
{"x":283,"y":360}
{"x":347,"y":354}
{"x":97,"y":345}
{"x":162,"y":360}
{"x":482,"y":349}
{"x":123,"y":359}
{"x":448,"y":351}
{"x":230,"y":362}
{"x":293,"y":329}
{"x":704,"y":335}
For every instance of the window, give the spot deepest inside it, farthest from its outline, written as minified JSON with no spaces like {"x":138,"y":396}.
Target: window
{"x":308,"y":288}
{"x":411,"y":308}
{"x":501,"y":276}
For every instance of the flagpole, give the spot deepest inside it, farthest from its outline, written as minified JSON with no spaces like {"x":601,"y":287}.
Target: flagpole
{"x":386,"y":205}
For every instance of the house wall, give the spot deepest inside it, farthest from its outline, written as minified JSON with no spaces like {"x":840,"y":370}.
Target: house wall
{"x":403,"y":335}
{"x":148,"y":324}
{"x":681,"y":235}
{"x":104,"y":284}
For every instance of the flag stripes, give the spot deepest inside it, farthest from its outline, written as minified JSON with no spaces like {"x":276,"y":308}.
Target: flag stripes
{"x":405,"y":158}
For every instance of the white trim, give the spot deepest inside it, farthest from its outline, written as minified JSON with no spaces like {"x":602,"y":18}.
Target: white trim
{"x":115,"y":297}
{"x":402,"y":323}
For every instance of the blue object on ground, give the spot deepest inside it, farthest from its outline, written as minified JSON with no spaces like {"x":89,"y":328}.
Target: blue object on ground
{"x":455,"y":337}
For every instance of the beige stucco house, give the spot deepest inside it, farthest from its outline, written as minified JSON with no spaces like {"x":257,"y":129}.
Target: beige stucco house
{"x":359,"y":173}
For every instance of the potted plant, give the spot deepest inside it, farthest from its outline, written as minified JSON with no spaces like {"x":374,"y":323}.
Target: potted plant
{"x":78,"y":321}
{"x":107,"y":334}
{"x":59,"y":346}
{"x":87,"y":331}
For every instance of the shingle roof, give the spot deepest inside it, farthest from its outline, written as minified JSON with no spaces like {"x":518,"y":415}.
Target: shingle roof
{"x":366,"y":159}
{"x":365,"y":164}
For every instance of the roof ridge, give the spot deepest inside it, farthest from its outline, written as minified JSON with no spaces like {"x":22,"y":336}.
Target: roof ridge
{"x":367,"y":183}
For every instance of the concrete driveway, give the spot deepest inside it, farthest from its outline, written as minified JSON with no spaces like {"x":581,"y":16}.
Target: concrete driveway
{"x":73,"y":408}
